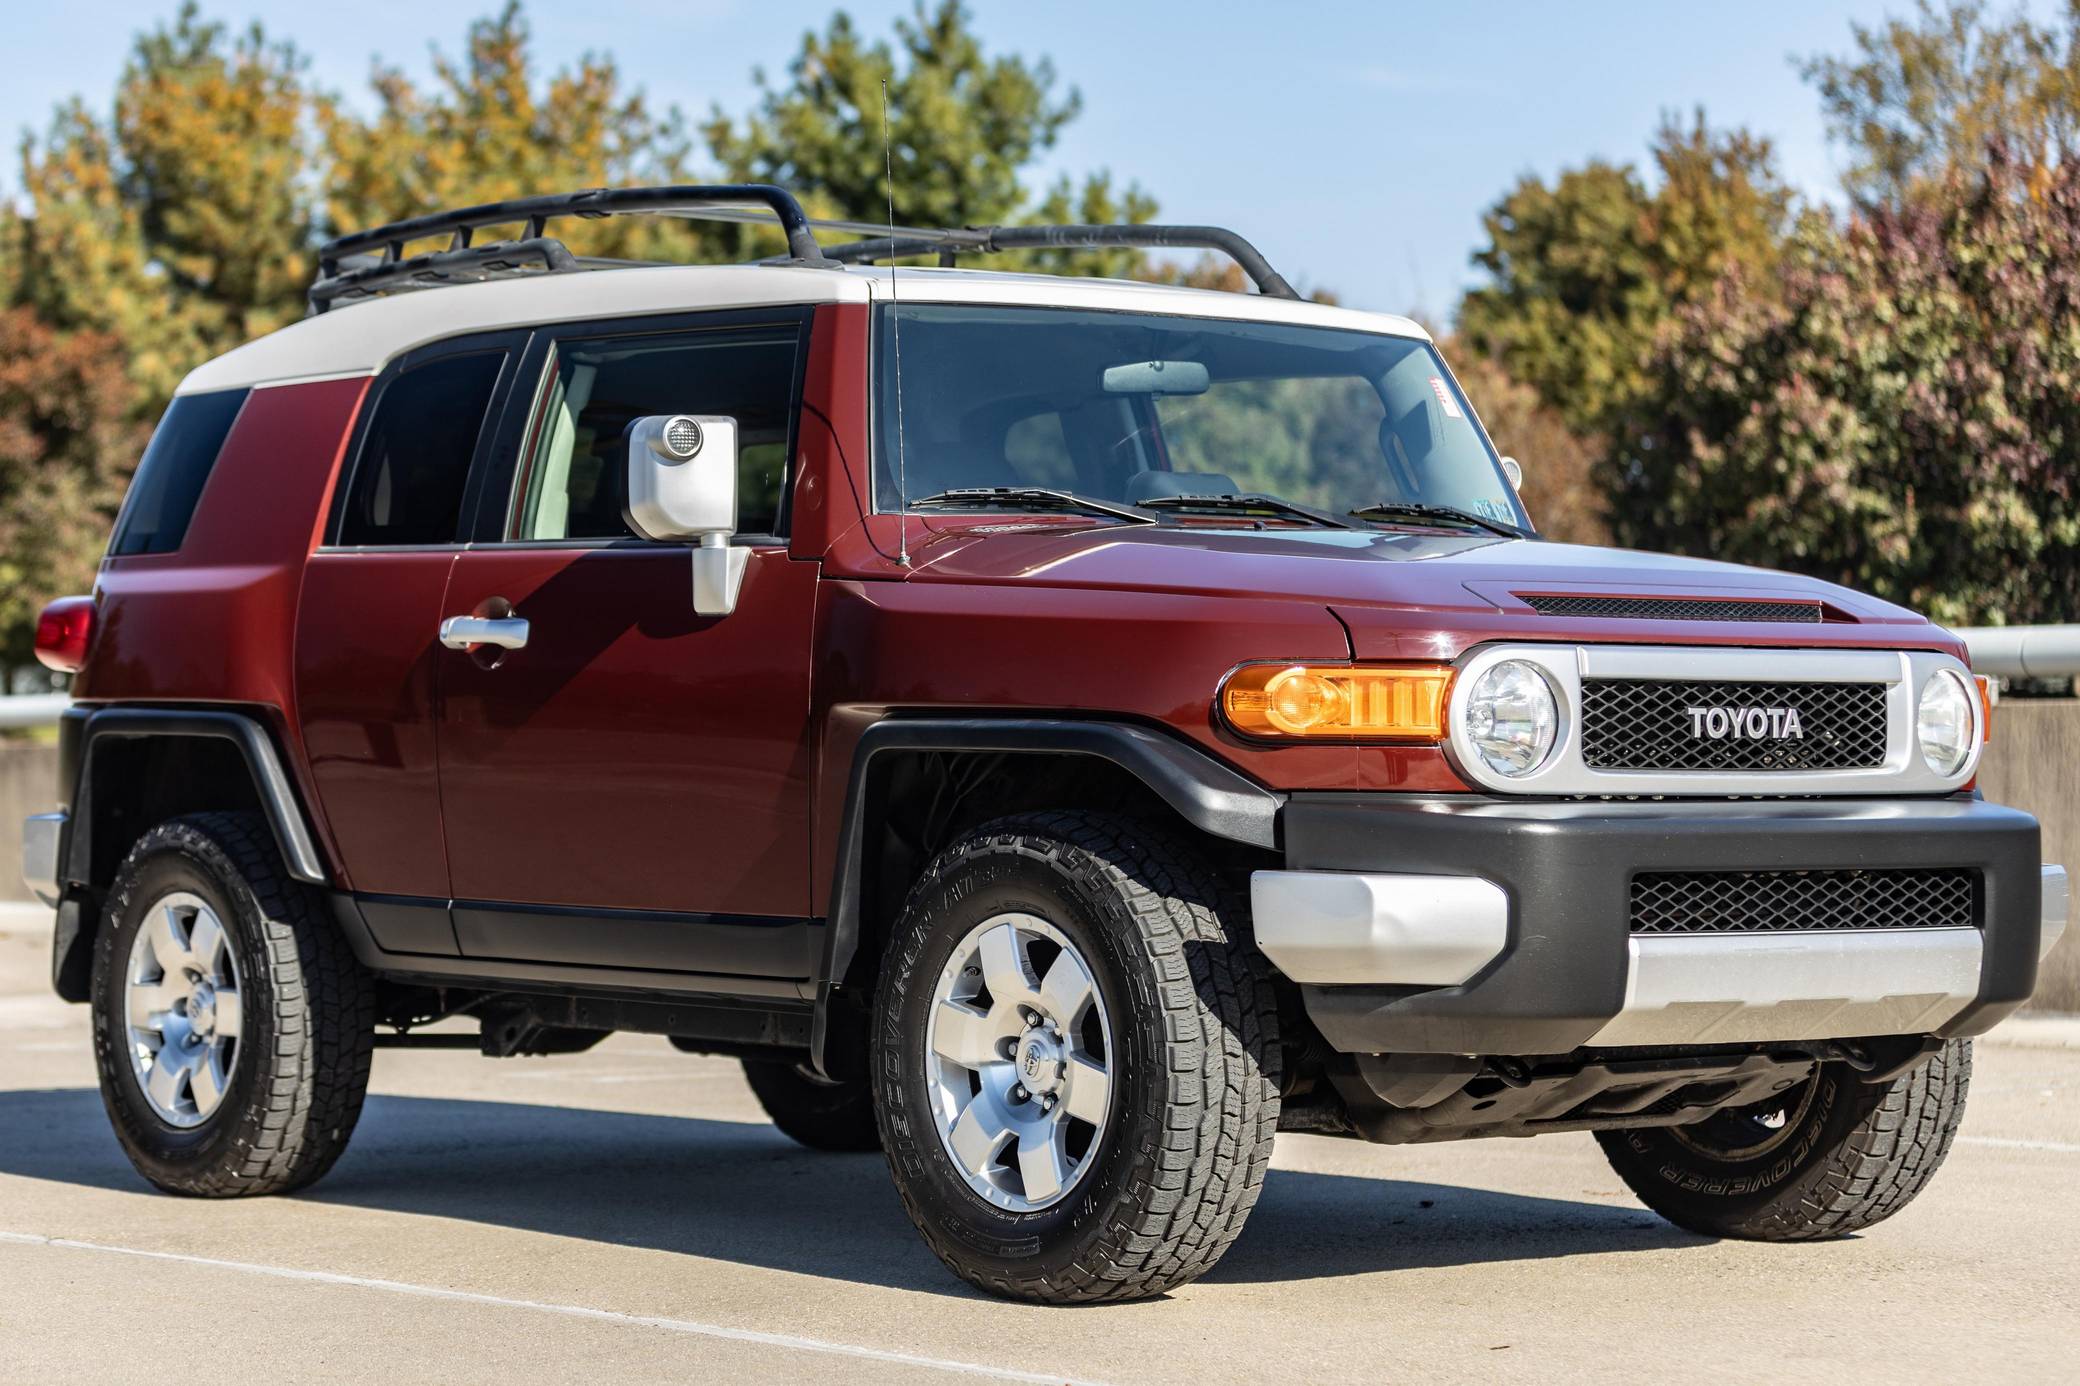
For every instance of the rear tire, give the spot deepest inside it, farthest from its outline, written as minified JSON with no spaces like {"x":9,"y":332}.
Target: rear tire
{"x":201,"y":912}
{"x":1120,"y":1041}
{"x":817,"y":1112}
{"x":1846,"y":1156}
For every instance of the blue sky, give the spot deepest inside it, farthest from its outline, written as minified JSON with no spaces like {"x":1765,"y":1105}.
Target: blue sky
{"x":1356,"y":144}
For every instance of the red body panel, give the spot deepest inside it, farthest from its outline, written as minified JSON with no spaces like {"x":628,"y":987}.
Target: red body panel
{"x":215,"y":621}
{"x":365,"y":686}
{"x":636,"y":756}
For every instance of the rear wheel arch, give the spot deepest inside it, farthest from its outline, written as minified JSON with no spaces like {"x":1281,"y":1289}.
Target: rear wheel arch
{"x":917,"y":784}
{"x":131,"y":769}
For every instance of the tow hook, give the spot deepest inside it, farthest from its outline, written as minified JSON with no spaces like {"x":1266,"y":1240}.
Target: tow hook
{"x":1514,"y":1072}
{"x":1878,"y":1061}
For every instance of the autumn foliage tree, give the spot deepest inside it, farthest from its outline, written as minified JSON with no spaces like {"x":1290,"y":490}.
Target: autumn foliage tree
{"x":1899,"y":413}
{"x":1584,"y":271}
{"x":181,"y":220}
{"x":68,"y":439}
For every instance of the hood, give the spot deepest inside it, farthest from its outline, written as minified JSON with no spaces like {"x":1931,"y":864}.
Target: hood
{"x":1394,"y":587}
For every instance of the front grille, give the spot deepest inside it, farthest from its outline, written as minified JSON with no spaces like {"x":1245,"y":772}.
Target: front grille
{"x":1648,"y":724}
{"x":1673,"y":608}
{"x":1767,"y":902}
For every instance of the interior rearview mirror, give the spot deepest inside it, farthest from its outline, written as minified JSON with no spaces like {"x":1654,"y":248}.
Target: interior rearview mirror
{"x":682,"y":484}
{"x":1514,"y":472}
{"x":1157,"y":378}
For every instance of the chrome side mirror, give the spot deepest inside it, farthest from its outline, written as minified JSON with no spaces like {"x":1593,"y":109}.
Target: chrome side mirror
{"x":682,"y":484}
{"x":1514,"y":472}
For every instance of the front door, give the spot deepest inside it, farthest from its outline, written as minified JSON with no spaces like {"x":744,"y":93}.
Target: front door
{"x":629,"y":787}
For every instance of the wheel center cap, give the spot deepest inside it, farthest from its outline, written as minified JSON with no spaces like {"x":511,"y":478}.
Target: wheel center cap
{"x":202,"y":1009}
{"x":1040,"y":1062}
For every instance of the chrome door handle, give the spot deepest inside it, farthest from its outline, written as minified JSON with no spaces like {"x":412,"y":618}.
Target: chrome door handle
{"x":462,"y":632}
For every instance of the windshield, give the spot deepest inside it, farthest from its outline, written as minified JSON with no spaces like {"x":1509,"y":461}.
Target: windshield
{"x":1133,"y":407}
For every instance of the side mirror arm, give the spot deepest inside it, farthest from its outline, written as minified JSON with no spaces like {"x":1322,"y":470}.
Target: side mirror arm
{"x":718,"y":575}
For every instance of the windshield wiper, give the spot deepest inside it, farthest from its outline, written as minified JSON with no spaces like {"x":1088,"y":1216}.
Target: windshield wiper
{"x":1027,"y":498}
{"x":1252,"y":503}
{"x":1450,"y":514}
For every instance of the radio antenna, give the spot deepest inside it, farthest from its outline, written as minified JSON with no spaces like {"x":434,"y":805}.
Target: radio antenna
{"x":895,"y":318}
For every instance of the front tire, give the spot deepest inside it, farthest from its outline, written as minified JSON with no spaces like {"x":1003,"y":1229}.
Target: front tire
{"x":1830,"y":1158}
{"x":1075,"y":1060}
{"x":232,"y":1023}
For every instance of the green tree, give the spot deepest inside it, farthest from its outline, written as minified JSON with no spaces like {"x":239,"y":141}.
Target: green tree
{"x":1584,"y":272}
{"x":1923,"y":95}
{"x":492,"y":127}
{"x":964,"y":129}
{"x":1899,"y":413}
{"x":181,"y":225}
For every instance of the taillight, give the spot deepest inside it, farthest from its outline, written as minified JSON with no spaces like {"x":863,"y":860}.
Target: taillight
{"x":64,"y":634}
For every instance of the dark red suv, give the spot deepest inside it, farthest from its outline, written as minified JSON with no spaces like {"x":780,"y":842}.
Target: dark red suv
{"x":1060,"y":732}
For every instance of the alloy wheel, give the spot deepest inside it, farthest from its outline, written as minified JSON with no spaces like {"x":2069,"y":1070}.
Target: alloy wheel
{"x":181,"y":1009}
{"x":1019,"y":1062}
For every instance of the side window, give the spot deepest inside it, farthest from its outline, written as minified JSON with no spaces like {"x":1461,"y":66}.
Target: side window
{"x":574,"y":482}
{"x":169,"y":477}
{"x":415,"y":455}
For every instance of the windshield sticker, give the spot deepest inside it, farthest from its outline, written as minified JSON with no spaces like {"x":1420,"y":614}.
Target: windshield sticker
{"x":1444,"y":397}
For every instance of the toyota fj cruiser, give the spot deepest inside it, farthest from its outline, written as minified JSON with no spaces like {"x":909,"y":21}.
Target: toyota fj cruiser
{"x":1058,"y":732}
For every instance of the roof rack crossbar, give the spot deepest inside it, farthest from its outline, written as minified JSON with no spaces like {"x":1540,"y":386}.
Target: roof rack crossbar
{"x":983,"y":240}
{"x":442,"y":267}
{"x":535,"y":213}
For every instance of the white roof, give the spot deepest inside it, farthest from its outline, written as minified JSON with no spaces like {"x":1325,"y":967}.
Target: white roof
{"x":359,"y":339}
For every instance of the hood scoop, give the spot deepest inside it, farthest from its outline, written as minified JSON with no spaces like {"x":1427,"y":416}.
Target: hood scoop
{"x":1601,"y":607}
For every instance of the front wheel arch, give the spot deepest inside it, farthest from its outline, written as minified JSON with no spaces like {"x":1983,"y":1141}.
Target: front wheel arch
{"x":1030,"y":764}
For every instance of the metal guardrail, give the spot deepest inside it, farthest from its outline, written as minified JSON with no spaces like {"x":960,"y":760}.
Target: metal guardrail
{"x":23,"y":711}
{"x":2023,"y":652}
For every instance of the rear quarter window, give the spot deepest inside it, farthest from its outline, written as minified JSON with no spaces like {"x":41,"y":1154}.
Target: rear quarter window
{"x":415,"y":457}
{"x":170,"y":476}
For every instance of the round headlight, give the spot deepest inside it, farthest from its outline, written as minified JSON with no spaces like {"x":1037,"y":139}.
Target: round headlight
{"x":1512,"y":718}
{"x":1944,"y":722}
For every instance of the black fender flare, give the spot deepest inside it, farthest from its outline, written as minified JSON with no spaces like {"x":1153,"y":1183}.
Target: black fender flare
{"x":292,"y":833}
{"x":1206,"y":793}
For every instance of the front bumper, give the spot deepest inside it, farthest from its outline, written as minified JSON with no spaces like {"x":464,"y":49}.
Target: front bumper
{"x":1514,"y":935}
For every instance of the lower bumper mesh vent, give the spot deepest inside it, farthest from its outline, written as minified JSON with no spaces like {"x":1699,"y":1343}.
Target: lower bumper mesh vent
{"x":1720,"y":902}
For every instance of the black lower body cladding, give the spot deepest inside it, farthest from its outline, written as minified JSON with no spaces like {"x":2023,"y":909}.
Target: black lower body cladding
{"x":1567,"y":868}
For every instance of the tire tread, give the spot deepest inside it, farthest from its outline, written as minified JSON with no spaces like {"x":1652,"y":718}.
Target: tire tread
{"x":324,"y":1012}
{"x":1189,"y":1200}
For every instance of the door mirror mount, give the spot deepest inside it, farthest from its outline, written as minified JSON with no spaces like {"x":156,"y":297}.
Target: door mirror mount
{"x":682,"y":484}
{"x":718,"y":575}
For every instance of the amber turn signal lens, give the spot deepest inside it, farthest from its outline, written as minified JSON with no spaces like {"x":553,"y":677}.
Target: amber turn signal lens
{"x":1330,"y":702}
{"x":1988,"y":696}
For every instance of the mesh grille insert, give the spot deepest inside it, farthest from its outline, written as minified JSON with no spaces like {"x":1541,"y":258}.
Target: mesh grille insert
{"x":1648,"y":724}
{"x":1674,"y":608}
{"x":1719,"y":902}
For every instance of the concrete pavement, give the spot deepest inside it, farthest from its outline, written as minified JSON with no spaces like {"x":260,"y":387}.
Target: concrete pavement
{"x":627,"y":1215}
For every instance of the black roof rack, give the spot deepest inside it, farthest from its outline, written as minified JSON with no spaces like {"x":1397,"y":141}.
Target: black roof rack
{"x":985,"y":240}
{"x":371,"y":262}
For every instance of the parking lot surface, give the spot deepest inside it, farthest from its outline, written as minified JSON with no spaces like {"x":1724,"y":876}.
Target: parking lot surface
{"x":627,"y":1215}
